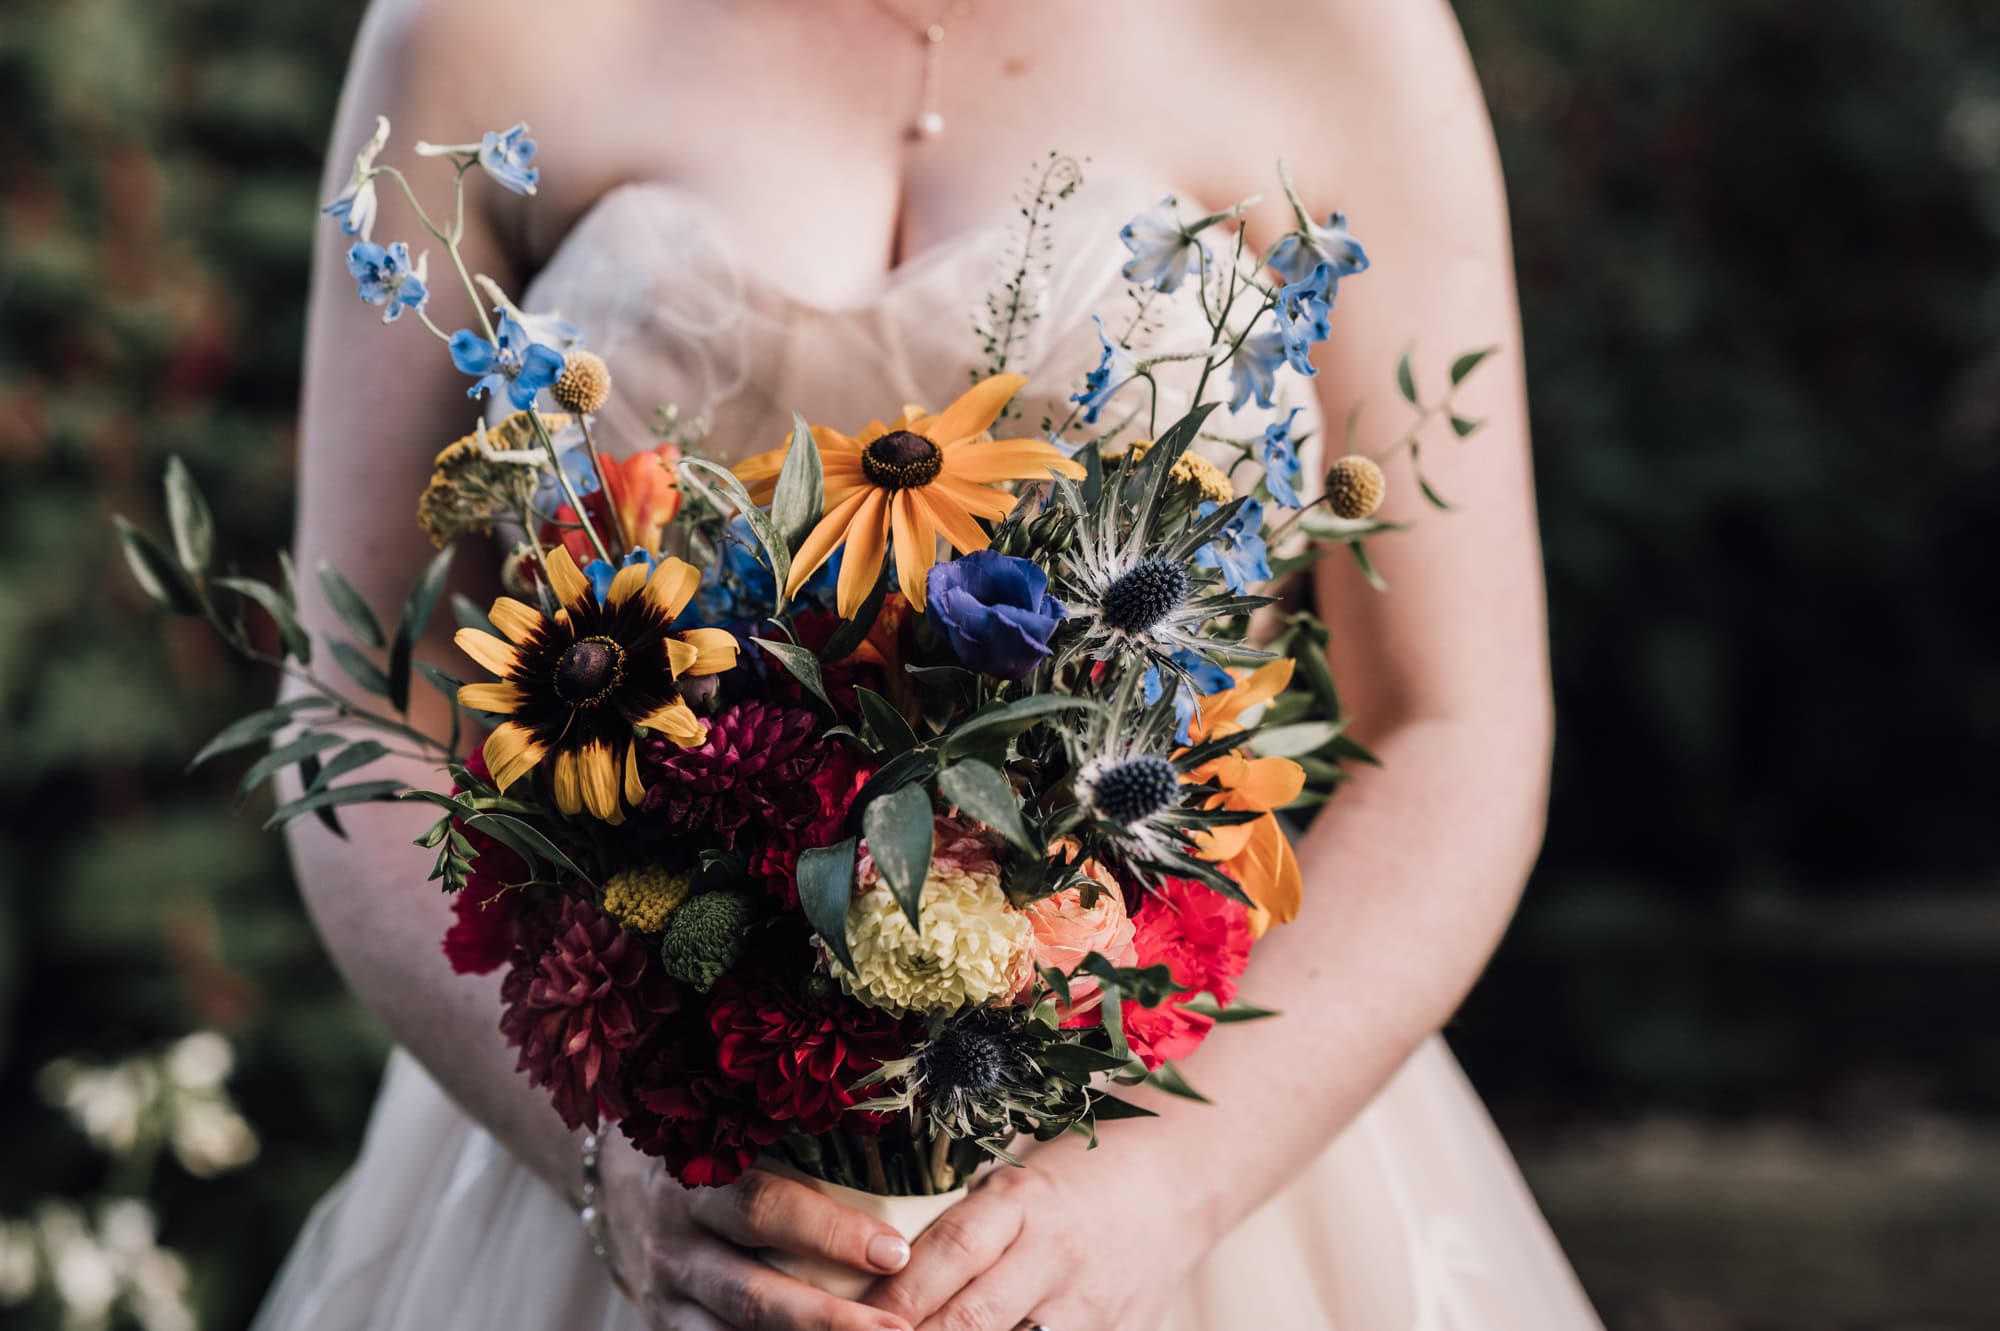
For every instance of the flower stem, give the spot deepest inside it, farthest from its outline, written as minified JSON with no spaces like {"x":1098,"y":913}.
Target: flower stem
{"x":569,"y":491}
{"x":878,"y":1175}
{"x":604,"y":484}
{"x":941,"y":1178}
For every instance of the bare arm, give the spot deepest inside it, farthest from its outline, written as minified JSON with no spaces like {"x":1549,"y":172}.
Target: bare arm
{"x":1413,"y":870}
{"x":379,"y":403}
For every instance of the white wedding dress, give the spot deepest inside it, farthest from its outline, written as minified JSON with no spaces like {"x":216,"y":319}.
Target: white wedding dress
{"x":1414,"y":1219}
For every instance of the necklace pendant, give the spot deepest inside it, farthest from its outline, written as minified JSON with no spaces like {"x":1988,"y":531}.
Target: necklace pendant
{"x":929,"y":125}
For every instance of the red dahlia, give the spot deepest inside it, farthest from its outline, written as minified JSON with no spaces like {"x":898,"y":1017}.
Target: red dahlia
{"x":1204,"y":939}
{"x":577,"y":1007}
{"x":703,"y":1125}
{"x":800,"y":1056}
{"x":835,"y":783}
{"x":756,"y":768}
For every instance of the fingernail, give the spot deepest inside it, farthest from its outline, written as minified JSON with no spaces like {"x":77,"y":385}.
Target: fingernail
{"x":886,"y":1252}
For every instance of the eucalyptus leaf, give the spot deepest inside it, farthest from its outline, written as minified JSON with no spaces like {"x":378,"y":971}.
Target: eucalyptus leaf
{"x":1294,"y":740}
{"x":1430,"y":493}
{"x":257,"y":725}
{"x":1107,"y":1107}
{"x":1010,"y":719}
{"x":892,"y":733}
{"x":826,"y":886}
{"x":158,"y":574}
{"x":711,"y":476}
{"x":309,"y":773}
{"x":801,"y":664}
{"x":1367,"y":566}
{"x":282,"y":757}
{"x":347,"y":603}
{"x":983,"y":791}
{"x":891,"y":776}
{"x":801,"y":488}
{"x":1078,"y":1062}
{"x":1406,"y":380}
{"x":298,"y":643}
{"x":1168,"y":1078}
{"x":359,"y":668}
{"x":333,"y":797}
{"x":356,"y":755}
{"x":1464,"y":426}
{"x":524,"y":840}
{"x":1467,"y":363}
{"x":468,"y":614}
{"x":188,"y":518}
{"x":417,"y":609}
{"x":1205,"y":1005}
{"x":851,"y":632}
{"x":899,"y":833}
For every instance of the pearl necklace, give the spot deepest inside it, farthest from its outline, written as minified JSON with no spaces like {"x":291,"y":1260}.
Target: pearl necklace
{"x":929,"y":122}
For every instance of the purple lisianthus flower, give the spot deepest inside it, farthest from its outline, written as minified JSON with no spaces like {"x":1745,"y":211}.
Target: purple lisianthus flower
{"x":514,"y":365}
{"x":995,"y":610}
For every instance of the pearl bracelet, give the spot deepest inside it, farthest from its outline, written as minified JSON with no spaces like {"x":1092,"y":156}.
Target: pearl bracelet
{"x":590,"y":1214}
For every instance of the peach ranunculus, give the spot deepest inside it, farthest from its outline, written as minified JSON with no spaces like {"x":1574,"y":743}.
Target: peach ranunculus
{"x":1257,"y":855}
{"x":1067,"y":931}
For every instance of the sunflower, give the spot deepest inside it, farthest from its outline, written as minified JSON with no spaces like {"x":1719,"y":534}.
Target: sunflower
{"x":574,"y":686}
{"x":917,"y":478}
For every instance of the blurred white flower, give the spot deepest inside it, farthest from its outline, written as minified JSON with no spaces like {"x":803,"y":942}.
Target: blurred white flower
{"x":209,"y":1137}
{"x":84,"y":1275}
{"x":19,"y":1261}
{"x":109,"y":1105}
{"x":200,"y":1062}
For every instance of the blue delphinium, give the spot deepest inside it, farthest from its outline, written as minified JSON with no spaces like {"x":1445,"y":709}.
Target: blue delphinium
{"x":356,"y":204}
{"x":1304,"y":318}
{"x":505,"y":157}
{"x":1162,"y":249}
{"x":386,"y":277}
{"x":514,"y":365}
{"x":1282,"y":467}
{"x":1238,"y":549}
{"x":1253,"y":370}
{"x":1207,"y":677}
{"x":601,"y":573}
{"x":1114,"y":370}
{"x":737,"y":587}
{"x":995,"y":610}
{"x":1296,"y":253}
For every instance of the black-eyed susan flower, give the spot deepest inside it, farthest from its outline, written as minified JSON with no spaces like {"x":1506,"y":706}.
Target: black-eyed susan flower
{"x":573,"y":687}
{"x":921,"y":476}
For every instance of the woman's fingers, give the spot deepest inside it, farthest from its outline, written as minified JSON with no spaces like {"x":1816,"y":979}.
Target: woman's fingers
{"x":762,"y":1210}
{"x":1000,"y":1300}
{"x":965,"y":1242}
{"x":746,"y":1295}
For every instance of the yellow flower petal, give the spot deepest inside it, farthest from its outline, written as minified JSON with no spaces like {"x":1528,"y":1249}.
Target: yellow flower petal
{"x":635,"y":790}
{"x":916,"y":544}
{"x":976,"y":409}
{"x":628,"y":581}
{"x":1008,"y":460}
{"x":568,"y":782}
{"x":953,"y":523}
{"x":867,"y":545}
{"x":672,"y":585}
{"x":678,"y":723}
{"x":982,"y":501}
{"x":489,"y":651}
{"x":511,"y":752}
{"x":572,"y":589}
{"x":715,"y":651}
{"x":681,"y":656}
{"x":518,"y":620}
{"x":499,"y":698}
{"x":600,"y":780}
{"x":823,"y":540}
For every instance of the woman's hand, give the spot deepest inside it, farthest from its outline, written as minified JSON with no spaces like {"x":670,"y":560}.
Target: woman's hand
{"x":1076,"y":1241}
{"x":684,"y":1253}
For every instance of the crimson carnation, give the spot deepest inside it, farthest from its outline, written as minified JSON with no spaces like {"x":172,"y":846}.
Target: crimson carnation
{"x":835,"y":783}
{"x":575,"y":1009}
{"x":702,"y":1124}
{"x":755,"y":769}
{"x":800,"y":1056}
{"x":1203,"y":938}
{"x":487,"y":927}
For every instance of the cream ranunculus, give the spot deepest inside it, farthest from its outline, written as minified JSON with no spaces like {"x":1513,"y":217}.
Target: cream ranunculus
{"x":974,"y":948}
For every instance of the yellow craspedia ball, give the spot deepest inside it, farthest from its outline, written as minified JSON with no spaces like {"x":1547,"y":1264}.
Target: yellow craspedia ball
{"x":584,"y":384}
{"x":1354,"y":487}
{"x":642,"y":900}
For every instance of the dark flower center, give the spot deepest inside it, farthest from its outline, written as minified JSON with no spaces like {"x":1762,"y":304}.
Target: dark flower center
{"x":1145,"y":594}
{"x":901,"y":461}
{"x":965,"y":1059}
{"x":1135,"y":789}
{"x":589,"y":671}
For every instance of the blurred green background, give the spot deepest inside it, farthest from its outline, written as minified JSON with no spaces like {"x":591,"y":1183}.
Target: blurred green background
{"x":1742,"y":1035}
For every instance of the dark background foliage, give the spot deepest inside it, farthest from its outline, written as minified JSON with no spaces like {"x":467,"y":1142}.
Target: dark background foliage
{"x":1741,"y":1034}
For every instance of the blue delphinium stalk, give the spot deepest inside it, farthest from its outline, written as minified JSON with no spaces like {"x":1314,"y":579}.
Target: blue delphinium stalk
{"x":1162,"y":249}
{"x":1295,"y":254}
{"x":1282,"y":467}
{"x":355,"y":206}
{"x":1253,"y":370}
{"x":386,"y":277}
{"x":1238,"y":549}
{"x":1114,"y":370}
{"x":1207,"y":677}
{"x":505,"y":157}
{"x":600,"y":572}
{"x":1304,"y":318}
{"x":513,"y":365}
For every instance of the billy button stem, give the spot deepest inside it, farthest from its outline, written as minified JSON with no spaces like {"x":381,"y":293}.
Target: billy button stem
{"x":583,"y":387}
{"x":569,"y":491}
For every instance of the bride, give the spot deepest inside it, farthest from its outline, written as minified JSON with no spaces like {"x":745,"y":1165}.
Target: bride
{"x":753,"y":207}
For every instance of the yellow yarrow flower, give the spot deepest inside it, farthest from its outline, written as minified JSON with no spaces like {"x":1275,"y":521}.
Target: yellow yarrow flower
{"x":1191,"y":469}
{"x":643,"y":899}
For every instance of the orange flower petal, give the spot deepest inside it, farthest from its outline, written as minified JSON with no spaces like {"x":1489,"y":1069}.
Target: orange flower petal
{"x":916,"y":544}
{"x":823,"y":540}
{"x":681,"y":656}
{"x":567,"y":581}
{"x":678,"y":723}
{"x":489,"y":651}
{"x":1008,"y":460}
{"x":517,"y":619}
{"x":499,"y":698}
{"x":635,"y":789}
{"x":628,"y":581}
{"x":976,"y":409}
{"x":982,"y":501}
{"x":867,"y":546}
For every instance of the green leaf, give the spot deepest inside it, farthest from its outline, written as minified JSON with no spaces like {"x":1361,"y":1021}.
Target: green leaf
{"x":893,"y":775}
{"x":1206,"y":1006}
{"x":983,"y":791}
{"x":347,"y":603}
{"x":898,"y":829}
{"x":1464,"y":427}
{"x":163,"y":580}
{"x":282,"y":757}
{"x":1406,"y":381}
{"x":417,"y":609}
{"x":524,"y":840}
{"x":801,"y":664}
{"x":1078,"y":1062}
{"x":703,"y":474}
{"x":359,"y":668}
{"x":1467,"y":363}
{"x":1436,"y":500}
{"x":469,"y":616}
{"x":1367,"y":566}
{"x":1010,"y":719}
{"x":1148,"y":986}
{"x":1294,"y":740}
{"x":801,"y":488}
{"x":826,"y":886}
{"x":892,"y":733}
{"x":257,"y":725}
{"x":358,"y":754}
{"x":298,"y":644}
{"x":1169,"y":1079}
{"x":333,"y":797}
{"x":1107,"y":1107}
{"x":309,"y":773}
{"x":189,"y":520}
{"x":1353,"y":432}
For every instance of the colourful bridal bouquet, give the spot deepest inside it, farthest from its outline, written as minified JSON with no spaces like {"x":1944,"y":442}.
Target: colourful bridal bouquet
{"x":886,"y":800}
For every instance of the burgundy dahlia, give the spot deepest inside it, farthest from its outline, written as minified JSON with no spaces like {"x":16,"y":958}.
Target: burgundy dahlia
{"x":754,"y":770}
{"x":704,"y":1126}
{"x":575,"y":1009}
{"x":801,"y":1056}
